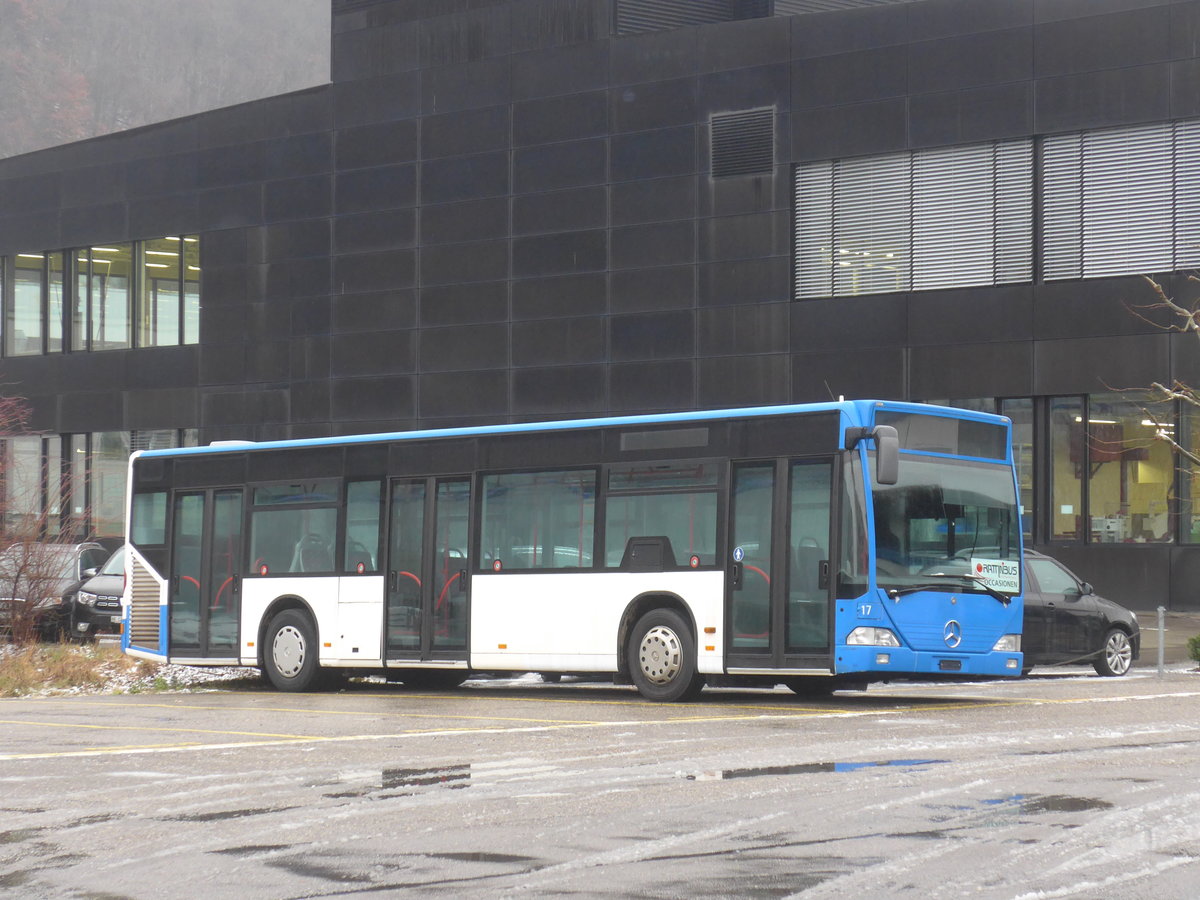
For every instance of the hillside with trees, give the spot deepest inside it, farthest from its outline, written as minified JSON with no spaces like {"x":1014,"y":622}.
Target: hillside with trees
{"x":72,"y":69}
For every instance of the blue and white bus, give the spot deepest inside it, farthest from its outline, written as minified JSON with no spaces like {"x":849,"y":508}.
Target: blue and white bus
{"x":816,"y":546}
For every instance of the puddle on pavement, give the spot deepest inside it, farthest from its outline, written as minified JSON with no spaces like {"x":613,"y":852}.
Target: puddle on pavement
{"x":812,"y":769}
{"x":405,"y":782}
{"x":226,"y":814}
{"x":485,"y":858}
{"x":252,"y":849}
{"x":1051,"y":803}
{"x":18,"y":835}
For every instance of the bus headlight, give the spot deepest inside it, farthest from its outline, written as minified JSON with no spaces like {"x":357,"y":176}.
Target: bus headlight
{"x":1010,"y":643}
{"x":870,"y":636}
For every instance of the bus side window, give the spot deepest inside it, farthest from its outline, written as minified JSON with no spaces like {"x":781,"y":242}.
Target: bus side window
{"x":362,"y":526}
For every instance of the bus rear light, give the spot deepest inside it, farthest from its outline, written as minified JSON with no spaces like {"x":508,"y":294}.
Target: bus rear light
{"x":870,"y":636}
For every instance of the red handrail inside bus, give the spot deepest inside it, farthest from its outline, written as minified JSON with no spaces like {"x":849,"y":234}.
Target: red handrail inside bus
{"x":216,"y":604}
{"x":442,"y":596}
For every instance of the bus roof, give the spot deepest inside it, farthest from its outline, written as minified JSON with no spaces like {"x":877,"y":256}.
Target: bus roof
{"x":854,"y":412}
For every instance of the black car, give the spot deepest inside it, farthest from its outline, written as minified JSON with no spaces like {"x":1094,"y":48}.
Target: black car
{"x":1067,"y":623}
{"x":94,"y":606}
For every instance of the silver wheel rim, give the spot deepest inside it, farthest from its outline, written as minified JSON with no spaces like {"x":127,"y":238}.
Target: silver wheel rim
{"x":660,"y":655}
{"x":287,"y":651}
{"x":1117,"y":653}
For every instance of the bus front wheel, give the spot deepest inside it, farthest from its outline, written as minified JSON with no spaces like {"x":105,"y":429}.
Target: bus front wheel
{"x":290,"y":655}
{"x":662,"y":657}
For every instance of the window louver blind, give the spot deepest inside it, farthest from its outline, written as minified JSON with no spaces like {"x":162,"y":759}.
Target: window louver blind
{"x":972,"y":216}
{"x":799,"y":7}
{"x":871,"y":216}
{"x":951,"y":217}
{"x":635,"y":16}
{"x":743,"y":143}
{"x":639,"y":16}
{"x":1096,"y":225}
{"x":814,"y":230}
{"x":1187,"y":195}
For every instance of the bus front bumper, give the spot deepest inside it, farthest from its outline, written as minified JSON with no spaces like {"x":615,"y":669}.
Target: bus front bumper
{"x":904,"y":662}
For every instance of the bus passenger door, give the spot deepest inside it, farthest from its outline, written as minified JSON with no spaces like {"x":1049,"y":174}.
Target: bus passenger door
{"x":205,"y":589}
{"x":778,"y":585}
{"x":427,"y":581}
{"x":808,"y":615}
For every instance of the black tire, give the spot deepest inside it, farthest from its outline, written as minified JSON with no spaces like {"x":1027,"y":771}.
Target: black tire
{"x":662,"y":657}
{"x":290,"y":652}
{"x":1116,"y":656}
{"x":811,"y":688}
{"x":432,"y":679}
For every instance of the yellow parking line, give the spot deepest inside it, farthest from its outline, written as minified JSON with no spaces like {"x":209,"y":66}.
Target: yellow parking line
{"x":356,"y":738}
{"x":154,"y":728}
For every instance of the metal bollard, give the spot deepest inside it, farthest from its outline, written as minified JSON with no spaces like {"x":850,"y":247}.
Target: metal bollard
{"x":1162,"y":638}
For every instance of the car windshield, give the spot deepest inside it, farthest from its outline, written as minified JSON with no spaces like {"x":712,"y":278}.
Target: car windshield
{"x":115,"y":564}
{"x":947,"y":524}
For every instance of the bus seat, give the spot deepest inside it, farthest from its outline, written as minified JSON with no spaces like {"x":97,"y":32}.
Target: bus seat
{"x":312,"y":555}
{"x":648,"y":554}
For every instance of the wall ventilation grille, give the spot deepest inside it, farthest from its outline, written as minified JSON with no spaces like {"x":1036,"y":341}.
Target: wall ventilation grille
{"x":743,"y":143}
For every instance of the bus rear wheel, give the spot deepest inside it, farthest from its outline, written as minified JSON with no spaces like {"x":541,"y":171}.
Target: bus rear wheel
{"x":290,"y":655}
{"x":662,"y":657}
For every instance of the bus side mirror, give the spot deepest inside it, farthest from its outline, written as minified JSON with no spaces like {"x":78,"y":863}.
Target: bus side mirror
{"x":887,"y":450}
{"x":887,"y":454}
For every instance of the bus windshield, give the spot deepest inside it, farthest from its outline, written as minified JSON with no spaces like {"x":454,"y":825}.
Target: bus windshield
{"x":945,"y":525}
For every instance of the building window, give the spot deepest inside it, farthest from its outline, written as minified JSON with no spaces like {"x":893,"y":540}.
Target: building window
{"x":951,"y":217}
{"x":102,"y":305}
{"x":1111,"y":479}
{"x":84,"y":299}
{"x":169,"y":292}
{"x":1094,"y":226}
{"x":23,"y":321}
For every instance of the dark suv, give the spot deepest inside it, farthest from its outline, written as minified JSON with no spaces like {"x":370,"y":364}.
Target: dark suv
{"x":94,"y":607}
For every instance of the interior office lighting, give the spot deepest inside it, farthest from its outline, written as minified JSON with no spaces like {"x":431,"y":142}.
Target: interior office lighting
{"x":31,"y":256}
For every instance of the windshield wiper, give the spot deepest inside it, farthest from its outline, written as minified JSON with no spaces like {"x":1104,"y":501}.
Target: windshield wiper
{"x":961,"y":576}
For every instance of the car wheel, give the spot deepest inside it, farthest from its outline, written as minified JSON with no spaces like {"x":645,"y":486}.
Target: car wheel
{"x":662,"y":657}
{"x":1117,"y":655}
{"x":290,"y":652}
